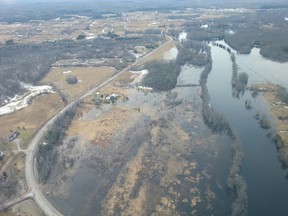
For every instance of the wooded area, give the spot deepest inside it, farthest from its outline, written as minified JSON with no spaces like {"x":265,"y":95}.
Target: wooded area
{"x":28,"y":63}
{"x":47,"y":153}
{"x":163,"y":75}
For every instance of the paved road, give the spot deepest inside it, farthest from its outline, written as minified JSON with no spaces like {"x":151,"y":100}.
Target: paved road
{"x":30,"y":169}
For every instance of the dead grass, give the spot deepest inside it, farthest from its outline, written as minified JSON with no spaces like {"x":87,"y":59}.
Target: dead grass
{"x":7,"y":213}
{"x":25,"y":208}
{"x":101,"y":129}
{"x":159,"y":54}
{"x":87,"y":77}
{"x":31,"y":118}
{"x":279,"y":110}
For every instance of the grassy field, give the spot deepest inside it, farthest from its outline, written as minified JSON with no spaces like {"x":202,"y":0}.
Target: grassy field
{"x":87,"y":77}
{"x":128,"y":77}
{"x":30,"y":119}
{"x":99,"y":130}
{"x":159,"y":55}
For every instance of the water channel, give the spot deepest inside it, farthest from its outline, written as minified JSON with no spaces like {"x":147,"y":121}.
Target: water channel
{"x":267,"y":188}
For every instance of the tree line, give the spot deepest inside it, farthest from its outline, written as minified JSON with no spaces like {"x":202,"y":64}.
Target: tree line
{"x":28,"y":63}
{"x":47,"y":155}
{"x":282,"y":93}
{"x":239,"y":80}
{"x":163,"y":75}
{"x":236,"y":184}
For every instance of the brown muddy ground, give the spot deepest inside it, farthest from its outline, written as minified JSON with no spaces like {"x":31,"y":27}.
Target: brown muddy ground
{"x":159,"y":159}
{"x":25,"y":208}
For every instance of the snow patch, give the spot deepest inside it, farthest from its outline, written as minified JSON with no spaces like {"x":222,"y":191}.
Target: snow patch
{"x":90,"y":37}
{"x":140,"y":73}
{"x":182,"y":36}
{"x":204,"y":26}
{"x":21,"y":101}
{"x":67,"y":72}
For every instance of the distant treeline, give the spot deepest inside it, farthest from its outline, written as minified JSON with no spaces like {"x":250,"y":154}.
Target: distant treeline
{"x":30,"y":62}
{"x":266,"y":29}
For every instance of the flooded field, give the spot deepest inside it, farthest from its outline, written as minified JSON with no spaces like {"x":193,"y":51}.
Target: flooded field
{"x":161,"y":160}
{"x":261,"y":168}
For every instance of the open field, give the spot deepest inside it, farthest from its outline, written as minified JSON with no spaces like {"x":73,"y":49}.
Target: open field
{"x":100,"y":130}
{"x":159,"y":54}
{"x":40,"y":31}
{"x":30,"y":119}
{"x":87,"y":77}
{"x":280,"y":111}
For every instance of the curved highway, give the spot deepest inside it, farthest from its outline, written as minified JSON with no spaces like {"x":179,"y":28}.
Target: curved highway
{"x":30,"y":168}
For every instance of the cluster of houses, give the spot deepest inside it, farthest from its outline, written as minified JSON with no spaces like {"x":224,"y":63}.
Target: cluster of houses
{"x":108,"y":98}
{"x":144,"y":88}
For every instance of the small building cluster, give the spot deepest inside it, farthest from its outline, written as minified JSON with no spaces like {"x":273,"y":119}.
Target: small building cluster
{"x":144,"y":88}
{"x":108,"y":98}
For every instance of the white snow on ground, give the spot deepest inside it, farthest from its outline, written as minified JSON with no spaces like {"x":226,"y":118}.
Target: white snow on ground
{"x":21,"y":101}
{"x":66,"y":72}
{"x":182,"y":36}
{"x":90,"y":37}
{"x":204,"y":26}
{"x":139,"y":74}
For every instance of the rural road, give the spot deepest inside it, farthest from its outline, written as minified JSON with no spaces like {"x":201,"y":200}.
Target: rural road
{"x":30,"y":168}
{"x":14,"y":201}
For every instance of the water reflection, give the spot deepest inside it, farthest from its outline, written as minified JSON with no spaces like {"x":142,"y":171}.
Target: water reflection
{"x":267,"y":187}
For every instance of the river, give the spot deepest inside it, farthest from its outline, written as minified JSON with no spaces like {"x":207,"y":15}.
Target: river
{"x":267,"y":188}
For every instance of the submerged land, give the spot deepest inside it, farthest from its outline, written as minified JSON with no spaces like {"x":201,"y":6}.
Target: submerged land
{"x":128,"y":124}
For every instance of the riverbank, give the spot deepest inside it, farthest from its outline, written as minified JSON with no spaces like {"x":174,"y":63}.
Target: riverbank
{"x":280,"y":110}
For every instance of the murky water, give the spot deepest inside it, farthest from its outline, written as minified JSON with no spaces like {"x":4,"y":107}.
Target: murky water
{"x":182,"y":166}
{"x":261,"y":69}
{"x":267,"y":187}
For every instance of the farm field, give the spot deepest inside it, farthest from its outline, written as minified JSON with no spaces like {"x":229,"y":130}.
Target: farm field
{"x":87,"y":77}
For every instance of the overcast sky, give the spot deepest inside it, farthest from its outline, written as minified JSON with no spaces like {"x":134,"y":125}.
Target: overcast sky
{"x":196,"y":1}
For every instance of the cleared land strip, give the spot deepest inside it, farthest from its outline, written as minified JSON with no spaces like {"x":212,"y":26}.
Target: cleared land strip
{"x":30,"y":168}
{"x":15,"y":201}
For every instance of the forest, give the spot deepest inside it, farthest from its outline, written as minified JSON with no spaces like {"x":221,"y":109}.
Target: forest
{"x":163,"y":75}
{"x":265,"y":29}
{"x":28,"y":63}
{"x":47,"y":154}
